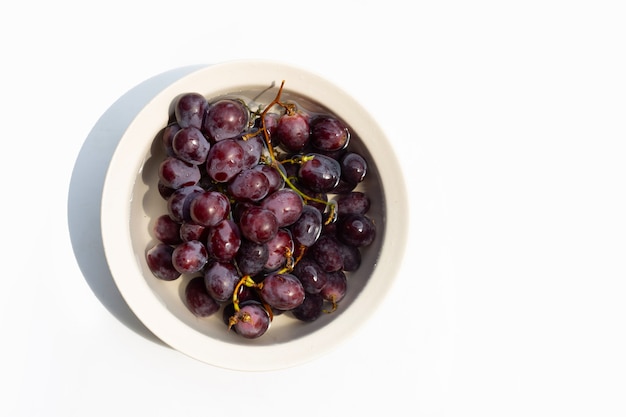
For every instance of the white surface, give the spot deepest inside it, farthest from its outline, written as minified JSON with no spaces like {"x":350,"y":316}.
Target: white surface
{"x":510,"y":120}
{"x":130,"y":192}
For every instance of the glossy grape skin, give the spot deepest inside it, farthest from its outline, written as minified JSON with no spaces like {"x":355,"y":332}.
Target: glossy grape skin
{"x":307,"y":229}
{"x":355,"y":202}
{"x":220,"y":280}
{"x":353,"y":168}
{"x":209,"y":208}
{"x":249,"y":185}
{"x":258,"y":224}
{"x":311,"y":275}
{"x":327,"y":253}
{"x":276,"y":181}
{"x":225,"y":160}
{"x":175,"y":173}
{"x":198,"y":300}
{"x":252,"y":257}
{"x":225,"y":119}
{"x":279,"y":246}
{"x":167,"y":230}
{"x":336,"y":287}
{"x":282,"y":291}
{"x":189,"y":257}
{"x":179,"y":203}
{"x":286,"y":205}
{"x":292,"y":131}
{"x":356,"y":229}
{"x":190,"y":145}
{"x":190,"y":109}
{"x":251,"y":321}
{"x":159,"y":260}
{"x":193,"y":231}
{"x":329,"y":133}
{"x":224,"y":240}
{"x":252,"y":150}
{"x":319,"y":173}
{"x":310,"y":309}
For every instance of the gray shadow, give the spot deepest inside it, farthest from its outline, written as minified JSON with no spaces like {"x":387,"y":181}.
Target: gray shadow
{"x":85,"y":194}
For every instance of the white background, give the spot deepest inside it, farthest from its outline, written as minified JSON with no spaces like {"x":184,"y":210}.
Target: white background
{"x":509,"y":119}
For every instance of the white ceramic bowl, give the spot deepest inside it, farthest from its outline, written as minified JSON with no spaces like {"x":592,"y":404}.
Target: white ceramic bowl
{"x":131,"y":203}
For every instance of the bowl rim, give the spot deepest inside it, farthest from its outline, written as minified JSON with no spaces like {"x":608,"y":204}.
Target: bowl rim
{"x":127,"y":162}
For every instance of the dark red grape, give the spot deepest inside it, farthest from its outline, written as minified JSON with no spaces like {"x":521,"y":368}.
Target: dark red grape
{"x":276,"y":181}
{"x":356,"y":202}
{"x":258,"y":224}
{"x":319,"y":173}
{"x":353,"y":168}
{"x":252,"y":151}
{"x":198,"y":300}
{"x":310,"y":309}
{"x":225,"y":119}
{"x":335,"y":288}
{"x":167,"y":230}
{"x":159,"y":260}
{"x":167,"y":137}
{"x":329,"y":133}
{"x":252,"y":257}
{"x":225,"y":160}
{"x":190,"y":145}
{"x":286,"y":205}
{"x":307,"y":229}
{"x":292,"y":131}
{"x":311,"y":275}
{"x":175,"y":173}
{"x":193,"y":231}
{"x":209,"y":208}
{"x":279,"y":246}
{"x":190,"y":109}
{"x":220,"y":279}
{"x":189,"y":257}
{"x":249,"y":185}
{"x":351,"y":257}
{"x":251,"y":321}
{"x":223,"y":240}
{"x":282,"y":291}
{"x":356,"y":229}
{"x":327,"y":254}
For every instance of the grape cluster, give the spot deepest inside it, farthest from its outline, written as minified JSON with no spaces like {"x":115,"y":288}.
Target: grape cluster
{"x":263,"y":210}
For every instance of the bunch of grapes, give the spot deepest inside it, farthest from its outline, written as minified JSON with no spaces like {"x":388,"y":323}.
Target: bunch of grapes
{"x":263,"y":213}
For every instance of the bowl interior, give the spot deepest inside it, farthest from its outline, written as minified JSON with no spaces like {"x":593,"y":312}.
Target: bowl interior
{"x":131,"y":203}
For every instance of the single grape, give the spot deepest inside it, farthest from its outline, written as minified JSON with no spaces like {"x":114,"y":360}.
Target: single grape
{"x":252,"y":150}
{"x":249,"y":185}
{"x":179,"y":203}
{"x":319,"y":173}
{"x":167,"y":230}
{"x":310,"y":309}
{"x":225,"y":119}
{"x":292,"y":131}
{"x":327,"y":254}
{"x":208,"y":208}
{"x":251,"y":321}
{"x":356,"y":229}
{"x":190,"y":145}
{"x":335,"y":288}
{"x":353,"y":168}
{"x":286,"y":205}
{"x":351,"y":257}
{"x":225,"y":160}
{"x":190,"y":109}
{"x":193,"y":231}
{"x":189,"y":257}
{"x":223,"y":240}
{"x":220,"y":280}
{"x":307,"y":229}
{"x":329,"y":133}
{"x":276,"y":181}
{"x":159,"y":260}
{"x":311,"y":275}
{"x":355,"y":202}
{"x":175,"y":173}
{"x":282,"y":291}
{"x":198,"y":300}
{"x":279,"y":247}
{"x":251,"y":257}
{"x":258,"y":224}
